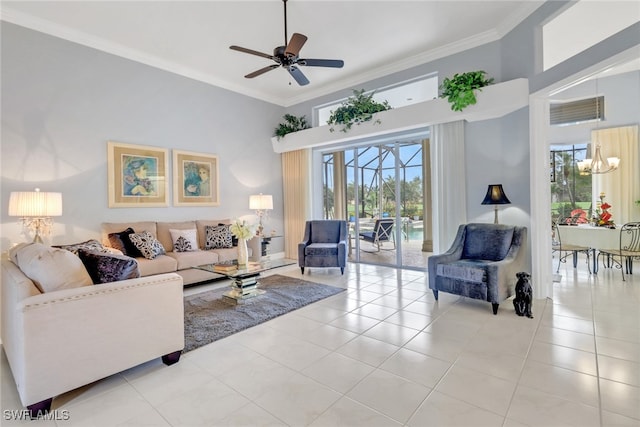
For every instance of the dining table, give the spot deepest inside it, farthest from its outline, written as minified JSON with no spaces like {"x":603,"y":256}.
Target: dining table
{"x":593,"y":237}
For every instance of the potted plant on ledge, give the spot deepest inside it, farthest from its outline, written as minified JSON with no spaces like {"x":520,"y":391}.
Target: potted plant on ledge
{"x":460,"y":89}
{"x":356,"y":109}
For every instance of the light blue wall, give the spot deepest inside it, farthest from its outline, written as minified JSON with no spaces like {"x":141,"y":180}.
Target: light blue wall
{"x":62,"y":102}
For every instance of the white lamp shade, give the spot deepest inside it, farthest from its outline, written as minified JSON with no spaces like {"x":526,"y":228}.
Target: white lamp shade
{"x":37,"y":204}
{"x":261,"y":202}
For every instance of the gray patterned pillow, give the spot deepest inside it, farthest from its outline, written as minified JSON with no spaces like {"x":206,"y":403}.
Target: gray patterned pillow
{"x":217,"y":237}
{"x":147,"y":244}
{"x":90,"y":245}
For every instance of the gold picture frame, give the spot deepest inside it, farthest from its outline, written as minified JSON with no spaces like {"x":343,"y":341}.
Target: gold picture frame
{"x":195,"y":179}
{"x":137,"y":175}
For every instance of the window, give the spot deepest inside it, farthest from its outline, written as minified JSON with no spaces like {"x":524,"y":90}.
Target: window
{"x":569,"y":189}
{"x":574,"y":112}
{"x":411,"y":92}
{"x":583,"y":25}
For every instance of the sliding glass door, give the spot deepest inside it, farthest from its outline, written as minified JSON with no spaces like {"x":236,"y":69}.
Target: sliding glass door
{"x":375,"y":185}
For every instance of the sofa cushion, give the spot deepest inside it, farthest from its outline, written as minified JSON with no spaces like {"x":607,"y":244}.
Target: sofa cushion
{"x":217,"y":237}
{"x":147,"y":244}
{"x":105,"y":268}
{"x":158,"y":265}
{"x":184,"y":240}
{"x":487,"y":241}
{"x":192,"y":259}
{"x":50,"y":269}
{"x":121,"y":241}
{"x":115,"y":227}
{"x":91,"y":245}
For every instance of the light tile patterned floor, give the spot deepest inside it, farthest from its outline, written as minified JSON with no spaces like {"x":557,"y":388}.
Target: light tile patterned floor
{"x":384,"y":353}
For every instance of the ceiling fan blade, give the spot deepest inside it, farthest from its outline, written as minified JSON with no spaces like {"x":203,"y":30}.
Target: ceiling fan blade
{"x":252,"y":52}
{"x":295,"y":44}
{"x":261,"y":71}
{"x":334,"y":63}
{"x":298,"y":76}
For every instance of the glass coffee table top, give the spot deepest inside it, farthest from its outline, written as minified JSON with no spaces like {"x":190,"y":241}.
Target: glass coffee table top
{"x":252,"y":269}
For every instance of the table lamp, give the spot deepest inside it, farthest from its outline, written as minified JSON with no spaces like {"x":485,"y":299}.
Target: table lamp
{"x":261,"y":203}
{"x":495,"y":196}
{"x":36,"y":208}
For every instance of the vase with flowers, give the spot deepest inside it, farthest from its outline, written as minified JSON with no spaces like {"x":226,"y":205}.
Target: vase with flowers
{"x":243,"y":231}
{"x":603,"y":215}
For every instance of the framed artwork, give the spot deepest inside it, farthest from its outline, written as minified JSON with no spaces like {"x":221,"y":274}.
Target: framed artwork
{"x":137,"y":175}
{"x":195,"y":179}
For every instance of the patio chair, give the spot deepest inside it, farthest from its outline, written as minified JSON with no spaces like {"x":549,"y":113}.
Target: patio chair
{"x":628,"y":249}
{"x":566,"y":248}
{"x":382,"y":232}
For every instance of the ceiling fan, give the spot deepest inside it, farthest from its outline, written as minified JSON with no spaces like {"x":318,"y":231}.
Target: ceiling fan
{"x":287,"y":56}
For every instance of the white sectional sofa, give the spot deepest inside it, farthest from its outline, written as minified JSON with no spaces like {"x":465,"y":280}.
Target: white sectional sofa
{"x":179,"y":262}
{"x":59,"y":340}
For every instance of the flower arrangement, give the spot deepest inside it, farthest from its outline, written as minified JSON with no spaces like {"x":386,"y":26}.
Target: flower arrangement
{"x":242,"y":229}
{"x":603,"y":216}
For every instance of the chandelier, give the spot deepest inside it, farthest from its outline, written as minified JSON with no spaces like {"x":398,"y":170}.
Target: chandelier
{"x":599,"y":164}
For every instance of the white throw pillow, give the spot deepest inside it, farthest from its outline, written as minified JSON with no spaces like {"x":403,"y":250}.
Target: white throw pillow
{"x":50,"y":269}
{"x":184,"y":240}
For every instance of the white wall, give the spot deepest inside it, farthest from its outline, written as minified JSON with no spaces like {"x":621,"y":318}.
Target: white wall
{"x":62,"y":102}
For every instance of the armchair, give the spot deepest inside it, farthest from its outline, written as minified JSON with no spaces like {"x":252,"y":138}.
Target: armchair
{"x":482,"y":263}
{"x":324,"y":245}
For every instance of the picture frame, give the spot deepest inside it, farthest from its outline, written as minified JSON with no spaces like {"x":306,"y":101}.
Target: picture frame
{"x":195,"y":179}
{"x":137,"y":175}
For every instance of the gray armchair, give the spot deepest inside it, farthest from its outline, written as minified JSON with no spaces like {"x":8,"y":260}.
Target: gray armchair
{"x":482,"y":263}
{"x":324,"y":245}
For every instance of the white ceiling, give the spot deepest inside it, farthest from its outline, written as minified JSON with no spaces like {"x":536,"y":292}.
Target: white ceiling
{"x":192,"y":38}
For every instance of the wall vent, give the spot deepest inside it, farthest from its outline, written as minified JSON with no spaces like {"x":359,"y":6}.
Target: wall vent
{"x":574,"y":112}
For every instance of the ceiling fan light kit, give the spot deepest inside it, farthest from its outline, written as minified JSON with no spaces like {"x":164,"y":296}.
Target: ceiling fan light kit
{"x":287,"y":56}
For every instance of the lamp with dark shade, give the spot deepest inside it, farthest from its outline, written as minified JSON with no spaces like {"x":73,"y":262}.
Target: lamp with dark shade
{"x":495,"y":196}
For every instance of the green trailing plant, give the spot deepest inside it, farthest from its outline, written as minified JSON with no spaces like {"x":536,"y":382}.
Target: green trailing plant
{"x":291,"y":124}
{"x":356,"y":109}
{"x":460,"y":89}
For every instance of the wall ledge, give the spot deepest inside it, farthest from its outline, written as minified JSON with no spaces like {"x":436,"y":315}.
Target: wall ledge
{"x":494,"y":101}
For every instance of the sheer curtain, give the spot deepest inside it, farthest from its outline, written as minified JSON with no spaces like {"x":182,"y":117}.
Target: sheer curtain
{"x":449,"y":190}
{"x":622,"y":186}
{"x":296,"y":182}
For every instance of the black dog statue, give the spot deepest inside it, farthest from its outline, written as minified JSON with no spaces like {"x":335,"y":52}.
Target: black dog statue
{"x":524,"y":295}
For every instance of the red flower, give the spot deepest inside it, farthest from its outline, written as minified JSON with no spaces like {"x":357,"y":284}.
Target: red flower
{"x":605,"y":216}
{"x":605,"y":205}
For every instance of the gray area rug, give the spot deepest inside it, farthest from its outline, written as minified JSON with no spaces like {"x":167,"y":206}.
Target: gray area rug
{"x":207,"y":318}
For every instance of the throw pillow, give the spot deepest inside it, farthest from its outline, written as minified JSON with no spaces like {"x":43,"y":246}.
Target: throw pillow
{"x":105,"y":268}
{"x":217,"y":237}
{"x":234,"y":239}
{"x":122,"y":242}
{"x":91,"y":245}
{"x":147,"y":244}
{"x":50,"y":269}
{"x":184,"y":240}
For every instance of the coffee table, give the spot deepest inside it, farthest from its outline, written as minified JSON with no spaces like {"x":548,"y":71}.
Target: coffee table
{"x":244,"y":280}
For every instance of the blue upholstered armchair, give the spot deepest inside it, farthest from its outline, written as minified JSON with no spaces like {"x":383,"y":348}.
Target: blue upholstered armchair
{"x":324,"y":245}
{"x":482,"y":263}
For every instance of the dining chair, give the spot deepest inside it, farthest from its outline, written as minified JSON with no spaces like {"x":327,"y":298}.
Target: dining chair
{"x":382,"y":232}
{"x":564,"y":250}
{"x":628,"y":249}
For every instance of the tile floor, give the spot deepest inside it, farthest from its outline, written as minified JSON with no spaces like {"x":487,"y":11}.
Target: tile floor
{"x":384,"y":353}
